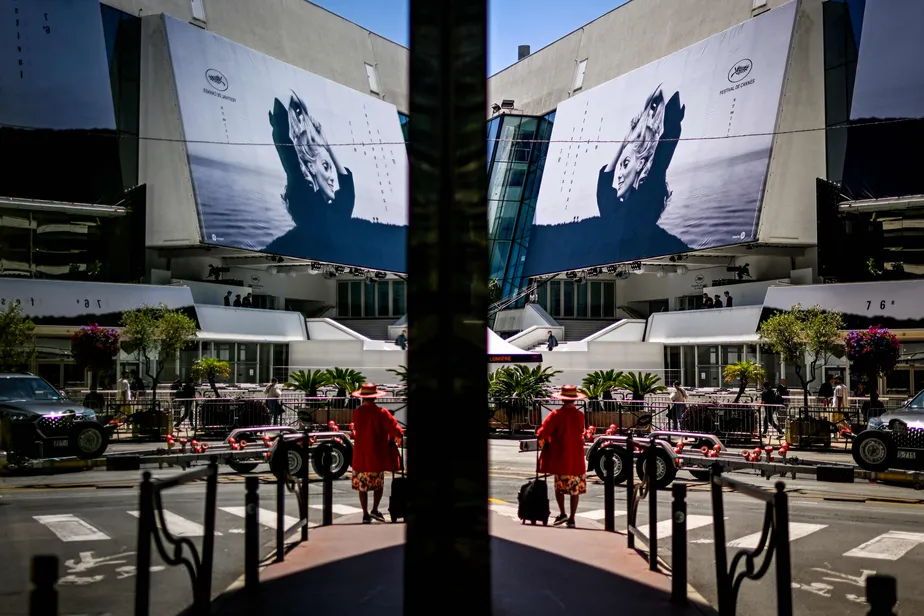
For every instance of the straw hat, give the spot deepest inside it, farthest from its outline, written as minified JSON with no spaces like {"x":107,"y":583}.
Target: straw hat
{"x":369,"y":390}
{"x":569,"y":392}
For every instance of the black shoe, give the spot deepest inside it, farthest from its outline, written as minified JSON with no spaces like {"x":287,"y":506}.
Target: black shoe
{"x":367,"y":519}
{"x":561,"y":519}
{"x":377,"y":516}
{"x":570,"y":523}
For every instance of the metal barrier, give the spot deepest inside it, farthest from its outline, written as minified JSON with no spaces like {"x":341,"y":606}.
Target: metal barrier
{"x":43,"y":600}
{"x":299,"y":485}
{"x":152,"y":525}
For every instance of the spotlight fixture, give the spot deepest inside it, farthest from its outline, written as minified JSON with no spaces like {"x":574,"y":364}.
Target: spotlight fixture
{"x":612,"y":269}
{"x":571,"y":275}
{"x":358,"y":273}
{"x":339,"y":269}
{"x":316,"y":266}
{"x":507,"y":103}
{"x":371,"y":280}
{"x":637,"y":266}
{"x":381,"y":275}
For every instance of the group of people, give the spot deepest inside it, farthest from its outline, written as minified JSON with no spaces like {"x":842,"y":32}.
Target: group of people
{"x":238,"y":301}
{"x":709,"y":302}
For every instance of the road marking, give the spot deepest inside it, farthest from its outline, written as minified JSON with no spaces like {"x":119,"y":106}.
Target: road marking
{"x":340,"y":509}
{"x":888,"y":546}
{"x":71,"y":528}
{"x":497,"y":500}
{"x":597,"y":514}
{"x":666,"y":527}
{"x":796,"y":531}
{"x":178,"y":526}
{"x":265,"y":517}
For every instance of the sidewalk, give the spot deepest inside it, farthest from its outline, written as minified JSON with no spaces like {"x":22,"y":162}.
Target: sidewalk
{"x":351,"y":569}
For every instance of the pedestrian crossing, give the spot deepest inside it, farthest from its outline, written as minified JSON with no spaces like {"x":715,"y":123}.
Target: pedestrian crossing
{"x":890,"y":545}
{"x":73,"y":528}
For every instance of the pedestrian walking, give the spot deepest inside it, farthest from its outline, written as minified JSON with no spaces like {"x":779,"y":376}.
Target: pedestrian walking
{"x":551,"y":341}
{"x":401,"y":340}
{"x":841,"y":399}
{"x":770,"y":398}
{"x":561,"y":441}
{"x":124,"y":395}
{"x":237,"y":301}
{"x":247,"y":302}
{"x":717,"y":302}
{"x":272,"y":394}
{"x":707,"y":301}
{"x":186,"y":395}
{"x":872,"y":407}
{"x":679,"y":399}
{"x":729,"y":300}
{"x":826,"y":391}
{"x":228,"y":299}
{"x":376,"y":438}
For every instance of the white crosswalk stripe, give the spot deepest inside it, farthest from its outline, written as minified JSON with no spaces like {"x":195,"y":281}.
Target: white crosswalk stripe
{"x":265,"y":517}
{"x":797,"y":530}
{"x":340,"y":509}
{"x":178,"y":526}
{"x":888,"y":546}
{"x":666,"y":527}
{"x":68,"y":527}
{"x":597,"y":514}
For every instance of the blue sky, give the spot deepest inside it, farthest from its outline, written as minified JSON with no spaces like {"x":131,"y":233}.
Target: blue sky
{"x":512,"y":22}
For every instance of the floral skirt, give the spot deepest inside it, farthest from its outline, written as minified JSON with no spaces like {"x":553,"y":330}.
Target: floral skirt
{"x":571,"y":484}
{"x":368,"y":482}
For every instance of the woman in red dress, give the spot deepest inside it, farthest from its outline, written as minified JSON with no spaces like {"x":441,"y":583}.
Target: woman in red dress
{"x":376,"y":437}
{"x":561,"y":439}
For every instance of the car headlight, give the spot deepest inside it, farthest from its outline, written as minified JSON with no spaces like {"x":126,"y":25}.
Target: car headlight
{"x":17,"y":417}
{"x":875,"y":424}
{"x":87,"y":415}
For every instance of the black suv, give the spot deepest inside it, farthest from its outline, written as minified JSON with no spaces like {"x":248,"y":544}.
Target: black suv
{"x":37,"y":421}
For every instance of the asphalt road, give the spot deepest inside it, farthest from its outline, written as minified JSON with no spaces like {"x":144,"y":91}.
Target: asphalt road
{"x":840,"y":534}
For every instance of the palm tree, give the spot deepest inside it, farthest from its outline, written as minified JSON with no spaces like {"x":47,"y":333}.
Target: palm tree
{"x":401,"y":373}
{"x":641,"y":385}
{"x":602,"y":381}
{"x":308,"y":381}
{"x":346,"y":380}
{"x":745,"y":372}
{"x":211,"y":369}
{"x":521,"y":382}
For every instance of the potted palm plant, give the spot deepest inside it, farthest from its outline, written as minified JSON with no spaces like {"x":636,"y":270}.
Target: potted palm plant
{"x":401,"y":373}
{"x":308,"y":382}
{"x":639,"y":385}
{"x":514,"y":390}
{"x":346,"y":380}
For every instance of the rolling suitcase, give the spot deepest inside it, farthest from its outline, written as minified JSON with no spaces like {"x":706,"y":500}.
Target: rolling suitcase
{"x":397,"y":502}
{"x":533,"y":500}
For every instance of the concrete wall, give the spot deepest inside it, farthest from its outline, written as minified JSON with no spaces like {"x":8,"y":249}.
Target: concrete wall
{"x":301,"y":34}
{"x":323,"y":354}
{"x":626,"y":356}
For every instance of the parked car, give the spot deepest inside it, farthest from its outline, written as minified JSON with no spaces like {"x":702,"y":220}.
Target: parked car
{"x":895,"y":439}
{"x":38,"y":421}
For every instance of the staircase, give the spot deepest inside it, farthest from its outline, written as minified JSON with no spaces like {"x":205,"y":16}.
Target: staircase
{"x":374,"y":329}
{"x":578,"y":329}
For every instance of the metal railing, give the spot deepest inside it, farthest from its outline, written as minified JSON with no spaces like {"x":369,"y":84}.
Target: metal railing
{"x":152,"y":527}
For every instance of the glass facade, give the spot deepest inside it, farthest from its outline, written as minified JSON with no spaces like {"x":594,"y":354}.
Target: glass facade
{"x":517,"y":147}
{"x":360,"y":298}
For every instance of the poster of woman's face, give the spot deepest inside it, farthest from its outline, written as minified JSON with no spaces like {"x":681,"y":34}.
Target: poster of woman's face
{"x":287,"y":162}
{"x":667,"y":158}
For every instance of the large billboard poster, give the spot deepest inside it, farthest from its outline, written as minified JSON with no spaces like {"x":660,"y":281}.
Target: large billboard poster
{"x":668,"y":158}
{"x":286,"y":162}
{"x":54,"y":73}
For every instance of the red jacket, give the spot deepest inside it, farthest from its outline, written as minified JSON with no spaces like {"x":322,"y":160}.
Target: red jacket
{"x":373,"y":449}
{"x":563,"y":433}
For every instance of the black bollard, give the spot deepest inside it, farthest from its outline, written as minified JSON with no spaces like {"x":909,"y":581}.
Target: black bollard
{"x":630,"y":493}
{"x":303,"y":497}
{"x":281,"y":520}
{"x":327,"y":504}
{"x":609,"y":489}
{"x":679,"y":544}
{"x":651,"y":472}
{"x":881,"y":594}
{"x":43,"y":601}
{"x":251,"y":533}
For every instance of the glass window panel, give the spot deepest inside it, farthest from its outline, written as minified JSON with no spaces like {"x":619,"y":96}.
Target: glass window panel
{"x":356,"y":299}
{"x":281,"y":366}
{"x":343,"y":299}
{"x":499,"y":259}
{"x":609,"y":299}
{"x":383,"y":307}
{"x":398,"y":306}
{"x":568,"y":308}
{"x":596,"y":299}
{"x":689,"y":366}
{"x":732,"y":354}
{"x":266,"y":359}
{"x":555,"y":298}
{"x":369,"y":304}
{"x":188,"y":357}
{"x":543,"y":296}
{"x":580,"y":290}
{"x":708,"y":355}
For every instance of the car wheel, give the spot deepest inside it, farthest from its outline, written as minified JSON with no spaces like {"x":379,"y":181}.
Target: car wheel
{"x":287,"y":460}
{"x":621,"y":464}
{"x":341,"y":458}
{"x":874,"y":451}
{"x":665,"y":471}
{"x":242,"y":467}
{"x":88,"y":441}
